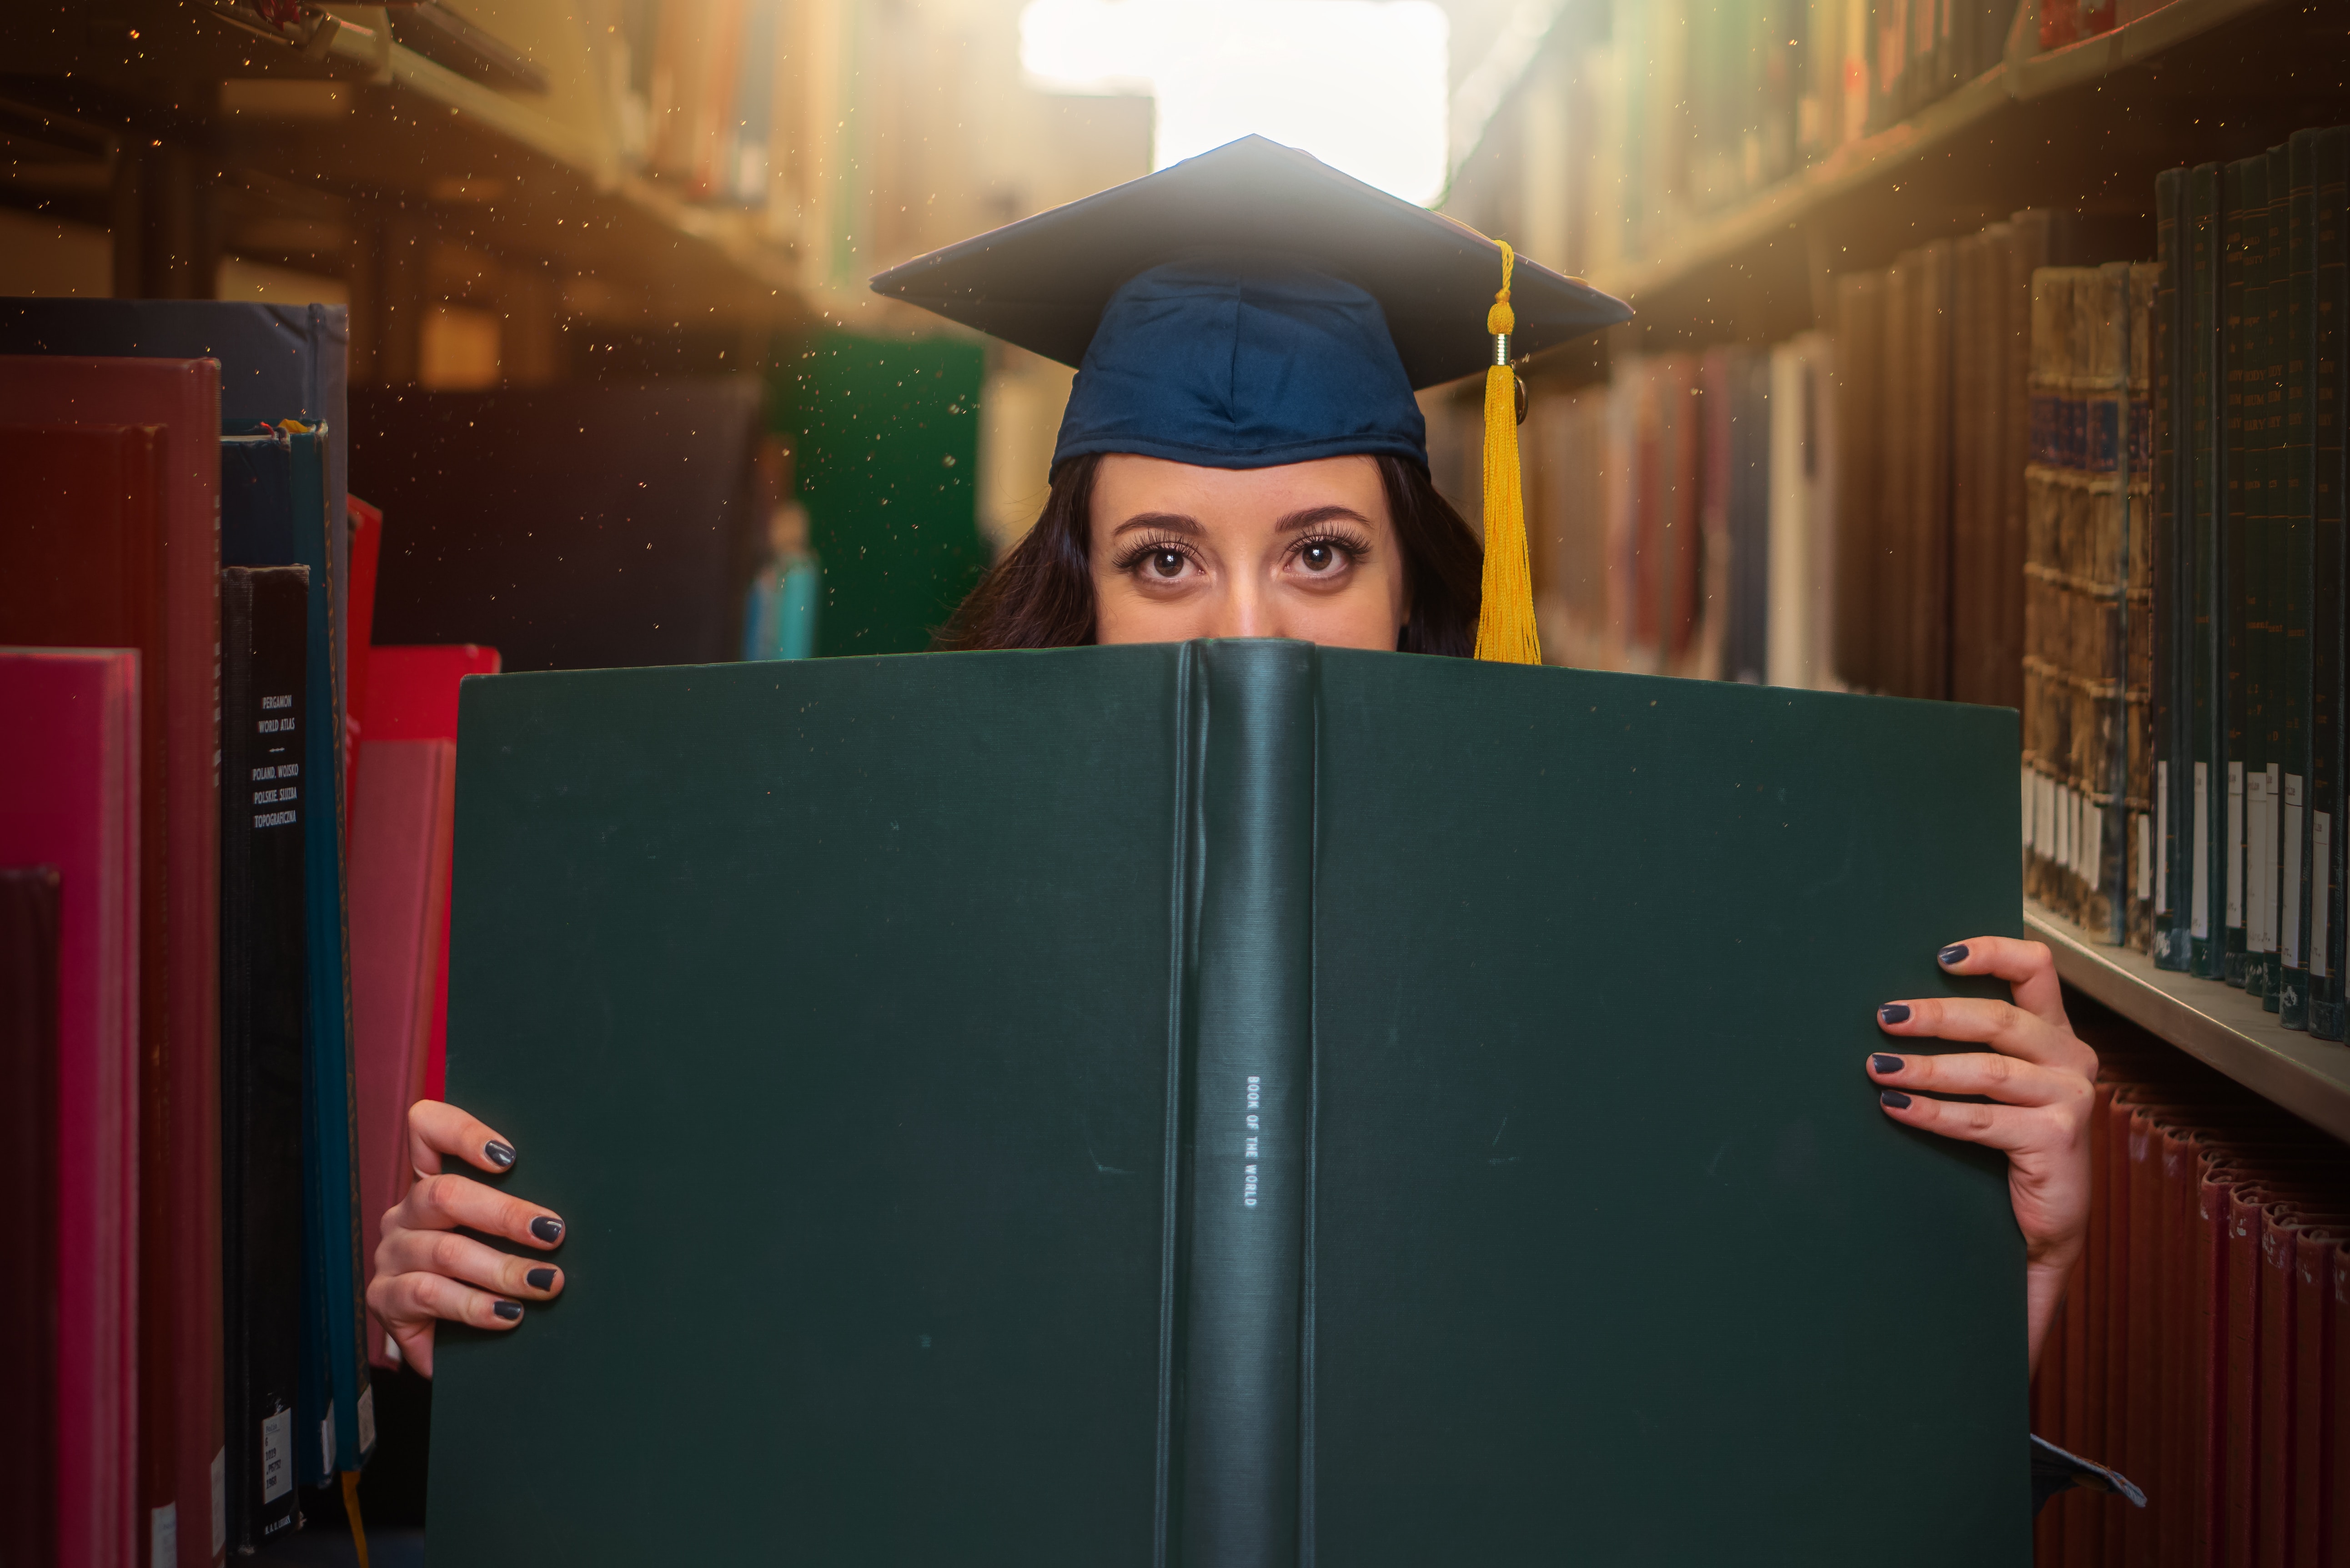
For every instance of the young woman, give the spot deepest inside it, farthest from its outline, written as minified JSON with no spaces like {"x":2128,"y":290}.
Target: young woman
{"x":1243,"y":457}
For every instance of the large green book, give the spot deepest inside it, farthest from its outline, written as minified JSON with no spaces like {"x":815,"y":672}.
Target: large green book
{"x":1227,"y":1103}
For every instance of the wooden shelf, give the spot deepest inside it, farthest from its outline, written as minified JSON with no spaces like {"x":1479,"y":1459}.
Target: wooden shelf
{"x":2215,"y":1024}
{"x":1876,"y":164}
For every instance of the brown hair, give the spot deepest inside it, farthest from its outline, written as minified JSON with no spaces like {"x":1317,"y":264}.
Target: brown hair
{"x":1041,"y":594}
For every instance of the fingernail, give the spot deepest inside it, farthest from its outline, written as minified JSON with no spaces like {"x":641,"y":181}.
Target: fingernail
{"x":540,"y":1279}
{"x":1955,"y":953}
{"x":1892,"y":1013}
{"x":1894,"y":1099}
{"x":510,"y":1310}
{"x":546,"y":1228}
{"x":499,"y":1154}
{"x":1881,"y":1063}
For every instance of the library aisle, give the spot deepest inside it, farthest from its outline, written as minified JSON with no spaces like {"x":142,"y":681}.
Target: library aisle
{"x":374,"y":380}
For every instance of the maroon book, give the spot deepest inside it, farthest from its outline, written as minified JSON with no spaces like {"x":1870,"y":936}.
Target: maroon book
{"x":113,"y":541}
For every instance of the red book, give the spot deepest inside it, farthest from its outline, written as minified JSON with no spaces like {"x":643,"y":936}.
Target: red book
{"x":2311,"y":1521}
{"x":2273,"y":1372}
{"x":2335,"y":1518}
{"x":2173,"y":1506}
{"x":2207,"y":1395}
{"x":412,"y":696}
{"x":367,"y":550}
{"x":401,"y":844}
{"x":2139,"y":1146}
{"x":75,"y":713}
{"x":106,"y":549}
{"x":2086,"y":1398}
{"x":2240,"y":1488}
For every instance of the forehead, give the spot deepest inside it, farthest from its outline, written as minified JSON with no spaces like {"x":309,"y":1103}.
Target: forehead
{"x":1126,"y":485}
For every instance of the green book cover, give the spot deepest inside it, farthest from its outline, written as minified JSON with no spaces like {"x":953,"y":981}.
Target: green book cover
{"x":1225,"y":1102}
{"x":2264,"y":836}
{"x":2207,"y":501}
{"x":2172,"y":539}
{"x":2245,"y":220}
{"x":2296,"y":489}
{"x":2329,"y":666}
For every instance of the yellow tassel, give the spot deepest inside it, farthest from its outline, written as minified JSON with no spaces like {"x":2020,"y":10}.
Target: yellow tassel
{"x":351,"y":1507}
{"x":1506,"y":617}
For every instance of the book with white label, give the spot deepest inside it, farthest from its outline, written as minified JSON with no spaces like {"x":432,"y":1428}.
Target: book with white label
{"x":265,"y":641}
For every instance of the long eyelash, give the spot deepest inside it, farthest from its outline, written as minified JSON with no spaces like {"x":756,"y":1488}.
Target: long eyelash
{"x":1355,"y":545}
{"x":1126,"y":560}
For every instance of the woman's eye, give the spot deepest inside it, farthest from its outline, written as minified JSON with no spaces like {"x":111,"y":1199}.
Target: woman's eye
{"x":1167,"y":563}
{"x":1319,"y":556}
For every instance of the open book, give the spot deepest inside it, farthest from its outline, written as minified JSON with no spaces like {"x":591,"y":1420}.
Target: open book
{"x":1226,"y":1103}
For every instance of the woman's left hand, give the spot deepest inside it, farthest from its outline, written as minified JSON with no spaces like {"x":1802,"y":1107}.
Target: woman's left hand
{"x":2043,"y":1079}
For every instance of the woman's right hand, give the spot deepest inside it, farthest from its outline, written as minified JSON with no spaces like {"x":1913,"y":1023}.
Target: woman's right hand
{"x":424,"y":1271}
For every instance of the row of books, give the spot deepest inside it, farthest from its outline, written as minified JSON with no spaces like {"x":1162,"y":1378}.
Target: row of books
{"x":1681,"y":517}
{"x":2239,"y":749}
{"x":231,"y":691}
{"x":2203,"y":1348}
{"x":2088,"y":594}
{"x":696,"y":89}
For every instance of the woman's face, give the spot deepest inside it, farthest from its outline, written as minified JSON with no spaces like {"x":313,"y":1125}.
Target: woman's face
{"x":1305,"y":550}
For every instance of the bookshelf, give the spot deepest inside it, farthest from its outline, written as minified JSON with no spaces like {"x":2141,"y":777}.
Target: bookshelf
{"x":1706,"y":257}
{"x":1876,"y":162}
{"x":2215,"y":1024}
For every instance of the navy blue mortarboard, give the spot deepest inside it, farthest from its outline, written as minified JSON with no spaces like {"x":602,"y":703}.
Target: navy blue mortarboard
{"x":1253,"y":307}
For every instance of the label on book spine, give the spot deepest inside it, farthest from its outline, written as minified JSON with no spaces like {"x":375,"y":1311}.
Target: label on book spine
{"x":2235,"y":845}
{"x":2161,"y":827}
{"x":2271,"y":822}
{"x":2199,"y":914}
{"x":2289,"y":910}
{"x":2142,"y":849}
{"x":276,"y":1455}
{"x":2256,"y":881}
{"x":2320,"y":876}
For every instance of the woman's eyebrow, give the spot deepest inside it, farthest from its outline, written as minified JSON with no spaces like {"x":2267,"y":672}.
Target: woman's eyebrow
{"x":1313,"y":514}
{"x":1166,"y":521}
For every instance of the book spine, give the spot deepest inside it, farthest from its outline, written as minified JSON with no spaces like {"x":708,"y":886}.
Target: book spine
{"x":2331,"y":267}
{"x":2207,"y":781}
{"x":2242,"y":203}
{"x":31,"y":982}
{"x":264,"y":799}
{"x":2101,"y":572}
{"x":1247,"y":1160}
{"x":2135,"y":843}
{"x":2172,"y":537}
{"x":2296,"y":482}
{"x":332,"y":1269}
{"x":2268,"y":653}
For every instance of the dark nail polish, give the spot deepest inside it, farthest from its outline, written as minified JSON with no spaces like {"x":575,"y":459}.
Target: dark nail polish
{"x":540,"y":1279}
{"x":510,"y":1310}
{"x":1881,"y":1063}
{"x":1893,"y":1098}
{"x":546,"y":1228}
{"x":1955,"y":953}
{"x":499,"y":1154}
{"x":1894,"y":1013}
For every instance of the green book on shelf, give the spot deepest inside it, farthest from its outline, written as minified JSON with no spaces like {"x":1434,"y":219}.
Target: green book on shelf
{"x":2296,"y":478}
{"x":2207,"y":501}
{"x":2246,"y":219}
{"x":1227,"y":1103}
{"x":2172,"y":539}
{"x":2329,"y":662}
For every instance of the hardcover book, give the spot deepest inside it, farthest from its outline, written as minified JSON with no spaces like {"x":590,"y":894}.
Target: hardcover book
{"x":113,"y":541}
{"x":266,"y":797}
{"x":77,"y":809}
{"x":1229,"y":1102}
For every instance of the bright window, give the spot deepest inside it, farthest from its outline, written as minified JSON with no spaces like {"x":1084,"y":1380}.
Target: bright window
{"x":1360,"y":84}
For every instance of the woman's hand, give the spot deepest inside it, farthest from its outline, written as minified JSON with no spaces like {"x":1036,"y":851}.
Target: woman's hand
{"x":2043,"y":1081}
{"x":425,"y":1271}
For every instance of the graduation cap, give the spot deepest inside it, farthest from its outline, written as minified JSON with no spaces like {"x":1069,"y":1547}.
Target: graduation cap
{"x":1253,"y":307}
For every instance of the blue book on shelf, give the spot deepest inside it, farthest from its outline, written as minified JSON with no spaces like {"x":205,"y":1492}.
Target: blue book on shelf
{"x":274,"y":511}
